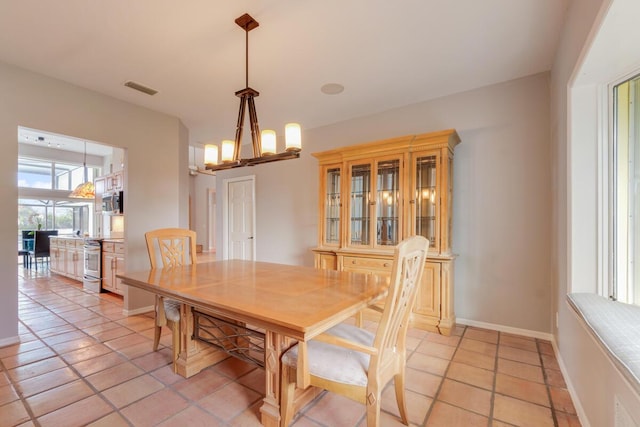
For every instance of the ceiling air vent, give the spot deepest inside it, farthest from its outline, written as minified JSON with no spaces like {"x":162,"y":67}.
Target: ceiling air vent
{"x":140,"y":88}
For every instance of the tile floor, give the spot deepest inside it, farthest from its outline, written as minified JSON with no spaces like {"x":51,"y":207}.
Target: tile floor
{"x":81,"y":362}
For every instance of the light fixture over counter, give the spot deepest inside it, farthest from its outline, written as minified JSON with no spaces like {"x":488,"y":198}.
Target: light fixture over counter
{"x":86,"y":190}
{"x":264,"y":144}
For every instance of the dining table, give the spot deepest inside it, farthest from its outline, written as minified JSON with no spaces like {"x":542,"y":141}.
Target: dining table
{"x":256,"y":311}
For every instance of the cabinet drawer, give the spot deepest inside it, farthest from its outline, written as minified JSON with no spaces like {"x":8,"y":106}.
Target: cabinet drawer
{"x":119,"y":248}
{"x":108,"y":246}
{"x":73,"y":243}
{"x":353,"y":263}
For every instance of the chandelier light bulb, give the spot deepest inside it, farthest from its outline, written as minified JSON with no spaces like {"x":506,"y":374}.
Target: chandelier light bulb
{"x":268,"y":142}
{"x":228,"y":147}
{"x":210,"y":154}
{"x":293,"y":137}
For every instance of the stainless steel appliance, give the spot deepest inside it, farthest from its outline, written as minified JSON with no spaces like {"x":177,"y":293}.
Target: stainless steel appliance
{"x":92,"y":279}
{"x":113,"y":203}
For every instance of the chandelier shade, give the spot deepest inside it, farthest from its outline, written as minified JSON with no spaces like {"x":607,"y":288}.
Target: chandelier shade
{"x":86,"y":190}
{"x":263,"y":143}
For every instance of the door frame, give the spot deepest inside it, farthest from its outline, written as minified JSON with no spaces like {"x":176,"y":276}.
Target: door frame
{"x":225,"y":212}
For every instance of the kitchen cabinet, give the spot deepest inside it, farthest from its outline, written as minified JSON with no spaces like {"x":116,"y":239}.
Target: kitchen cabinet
{"x":67,"y":257}
{"x":112,"y":264}
{"x":373,"y":195}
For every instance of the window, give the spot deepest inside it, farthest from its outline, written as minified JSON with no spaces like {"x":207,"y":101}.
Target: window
{"x":47,"y":174}
{"x":625,"y":194}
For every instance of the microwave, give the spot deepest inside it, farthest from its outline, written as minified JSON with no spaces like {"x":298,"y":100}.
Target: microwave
{"x":113,"y":203}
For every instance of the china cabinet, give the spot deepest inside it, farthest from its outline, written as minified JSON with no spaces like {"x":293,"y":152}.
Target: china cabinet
{"x":375,"y":194}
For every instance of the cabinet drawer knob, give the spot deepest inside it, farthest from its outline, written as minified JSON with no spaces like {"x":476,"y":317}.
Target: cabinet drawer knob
{"x":386,"y":264}
{"x":353,"y":262}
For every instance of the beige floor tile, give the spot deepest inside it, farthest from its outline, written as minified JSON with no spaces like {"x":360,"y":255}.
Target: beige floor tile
{"x":250,"y":417}
{"x":442,"y":351}
{"x":554,"y":378}
{"x":562,"y":400}
{"x":229,"y":401}
{"x":466,"y":397}
{"x":12,"y":350}
{"x":155,"y":408}
{"x":13,"y":413}
{"x":193,"y":417}
{"x":154,"y":360}
{"x":417,"y":405}
{"x":452,"y":340}
{"x":166,"y":375}
{"x":423,"y":362}
{"x":77,"y":414}
{"x":545,"y":347}
{"x":567,"y":420}
{"x":255,"y":380}
{"x":202,"y":384}
{"x":515,"y":354}
{"x":521,"y":370}
{"x":111,"y":334}
{"x":100,"y":363}
{"x":67,"y":336}
{"x":58,"y":397}
{"x":334,"y":410}
{"x":522,"y":389}
{"x":27,"y":357}
{"x":472,"y":358}
{"x":550,"y":362}
{"x":127,"y":341}
{"x":468,"y":374}
{"x":444,"y":415}
{"x":114,"y":419}
{"x":522,"y":343}
{"x":115,"y":375}
{"x":132,"y":390}
{"x":7,"y":394}
{"x":482,"y":347}
{"x":521,"y":413}
{"x":4,"y":379}
{"x":422,"y":382}
{"x":85,"y":353}
{"x":482,"y":335}
{"x":46,"y":381}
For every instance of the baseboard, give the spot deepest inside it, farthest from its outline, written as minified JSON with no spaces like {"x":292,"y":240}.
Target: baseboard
{"x":140,"y":310}
{"x":582,"y":416}
{"x":9,"y":341}
{"x":507,"y":329}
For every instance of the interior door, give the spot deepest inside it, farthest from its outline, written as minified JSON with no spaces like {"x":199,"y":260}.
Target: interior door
{"x":239,"y":218}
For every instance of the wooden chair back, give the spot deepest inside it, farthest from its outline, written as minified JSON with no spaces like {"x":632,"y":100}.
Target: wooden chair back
{"x":406,"y":274}
{"x":170,"y":247}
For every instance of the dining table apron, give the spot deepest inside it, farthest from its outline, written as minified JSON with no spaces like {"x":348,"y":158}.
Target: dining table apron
{"x":288,"y":303}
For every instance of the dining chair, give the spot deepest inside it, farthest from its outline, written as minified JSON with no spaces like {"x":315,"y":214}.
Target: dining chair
{"x":357,"y":363}
{"x":169,"y":247}
{"x":41,"y":246}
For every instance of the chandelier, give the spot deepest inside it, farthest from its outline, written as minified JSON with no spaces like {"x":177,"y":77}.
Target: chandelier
{"x":264,"y":143}
{"x":85,"y":190}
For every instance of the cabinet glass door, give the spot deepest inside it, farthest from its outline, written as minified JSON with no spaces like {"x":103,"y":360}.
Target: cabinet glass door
{"x":332,"y":206}
{"x":359,"y":200}
{"x":387,"y":202}
{"x":426,"y":198}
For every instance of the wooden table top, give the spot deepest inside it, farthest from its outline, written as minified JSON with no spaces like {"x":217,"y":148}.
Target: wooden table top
{"x":296,"y":301}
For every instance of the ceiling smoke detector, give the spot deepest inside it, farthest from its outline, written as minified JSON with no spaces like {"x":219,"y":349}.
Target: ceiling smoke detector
{"x":140,"y":88}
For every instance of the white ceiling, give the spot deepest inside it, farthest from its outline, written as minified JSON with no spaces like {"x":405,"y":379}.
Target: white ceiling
{"x":387,"y":54}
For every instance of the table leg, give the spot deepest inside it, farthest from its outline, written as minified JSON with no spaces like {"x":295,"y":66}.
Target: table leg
{"x":274,"y":345}
{"x":194,"y":355}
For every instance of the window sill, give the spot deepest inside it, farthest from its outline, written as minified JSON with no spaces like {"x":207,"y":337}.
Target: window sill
{"x":617,"y":327}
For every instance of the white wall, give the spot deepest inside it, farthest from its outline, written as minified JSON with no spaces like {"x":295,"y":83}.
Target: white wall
{"x":156,"y":194}
{"x":592,"y":377}
{"x":502,"y":200}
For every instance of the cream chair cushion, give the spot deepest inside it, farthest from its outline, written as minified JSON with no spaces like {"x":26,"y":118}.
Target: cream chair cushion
{"x":336,"y":363}
{"x":171,"y":309}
